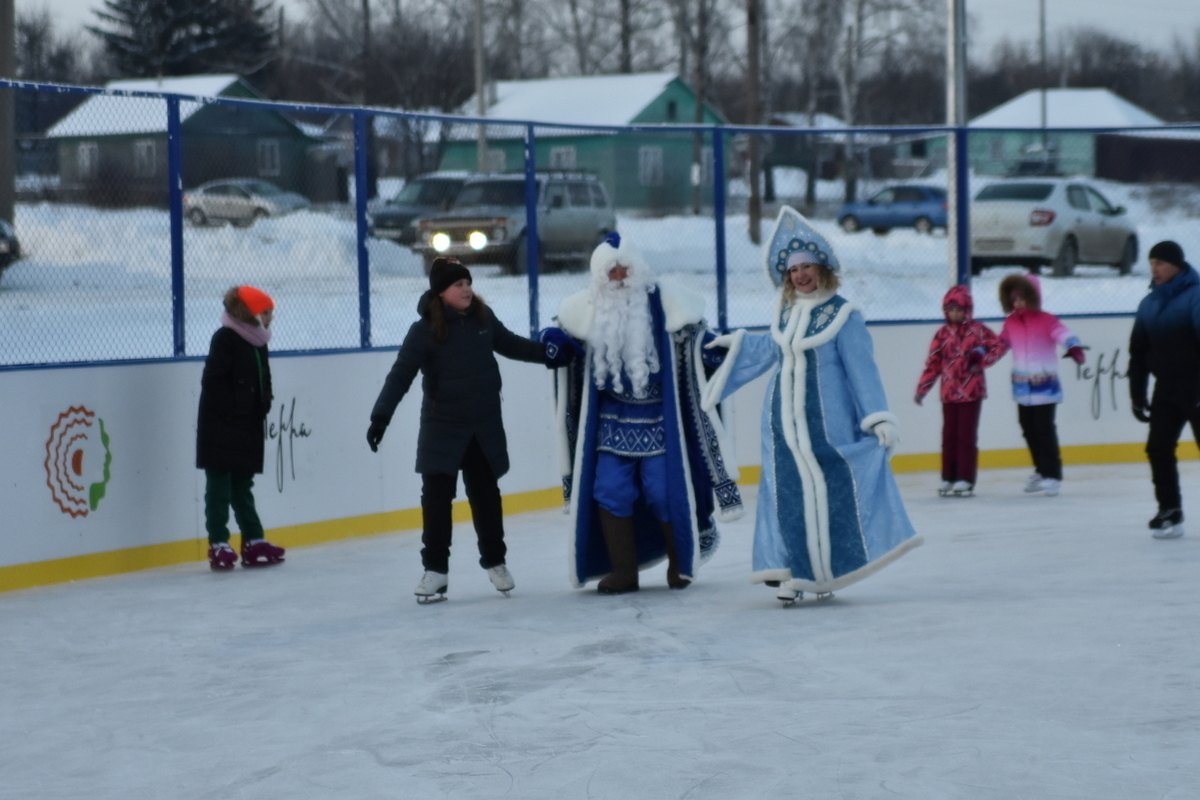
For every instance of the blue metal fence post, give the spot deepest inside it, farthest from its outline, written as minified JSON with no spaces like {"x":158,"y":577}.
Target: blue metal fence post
{"x":532,"y":246}
{"x":360,"y":216}
{"x":962,"y":160}
{"x":718,"y":148}
{"x":175,"y":206}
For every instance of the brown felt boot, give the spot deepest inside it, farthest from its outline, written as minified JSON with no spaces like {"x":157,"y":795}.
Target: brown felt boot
{"x":674,"y":579}
{"x":622,"y":553}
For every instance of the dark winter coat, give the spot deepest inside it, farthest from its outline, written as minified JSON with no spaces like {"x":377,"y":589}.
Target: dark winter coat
{"x":235,"y":398}
{"x":1166,"y":341}
{"x":461,"y":385}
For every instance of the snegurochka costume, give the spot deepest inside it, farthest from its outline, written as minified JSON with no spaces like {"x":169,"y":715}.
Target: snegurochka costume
{"x":664,"y":433}
{"x":829,"y":511}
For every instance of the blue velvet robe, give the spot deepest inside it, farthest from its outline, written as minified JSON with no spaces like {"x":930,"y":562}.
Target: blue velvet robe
{"x":829,"y":511}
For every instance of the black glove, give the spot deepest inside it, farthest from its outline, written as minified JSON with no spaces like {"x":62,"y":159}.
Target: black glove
{"x":1141,"y":411}
{"x":375,"y":434}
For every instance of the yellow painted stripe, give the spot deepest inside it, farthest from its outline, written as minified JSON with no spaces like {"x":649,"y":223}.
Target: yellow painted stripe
{"x":114,"y":562}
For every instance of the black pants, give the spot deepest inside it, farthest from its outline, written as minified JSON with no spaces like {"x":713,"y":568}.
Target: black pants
{"x":1037,"y":425}
{"x":438,"y":492}
{"x":223,"y":489}
{"x":1167,"y":418}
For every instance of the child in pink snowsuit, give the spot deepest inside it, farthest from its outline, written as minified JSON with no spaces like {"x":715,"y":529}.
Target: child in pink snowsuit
{"x":1034,"y":336}
{"x":960,"y":351}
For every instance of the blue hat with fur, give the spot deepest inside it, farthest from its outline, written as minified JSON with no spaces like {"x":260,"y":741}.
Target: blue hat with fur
{"x":795,"y":241}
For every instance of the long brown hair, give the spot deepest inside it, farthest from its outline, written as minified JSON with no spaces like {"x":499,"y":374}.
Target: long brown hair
{"x":437,"y":315}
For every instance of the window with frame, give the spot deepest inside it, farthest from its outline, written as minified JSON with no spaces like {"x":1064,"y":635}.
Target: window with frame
{"x":144,"y":158}
{"x":562,"y":157}
{"x":268,"y":157}
{"x":1077,"y":198}
{"x":650,"y":165}
{"x":87,"y":159}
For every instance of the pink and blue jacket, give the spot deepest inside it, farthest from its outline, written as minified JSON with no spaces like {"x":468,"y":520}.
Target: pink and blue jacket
{"x":1034,"y":338}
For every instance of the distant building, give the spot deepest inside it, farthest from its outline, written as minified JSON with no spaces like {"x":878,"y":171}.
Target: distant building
{"x":112,"y":150}
{"x":640,"y":170}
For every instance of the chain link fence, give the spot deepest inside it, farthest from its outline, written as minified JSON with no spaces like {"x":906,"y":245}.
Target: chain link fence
{"x":136,"y":211}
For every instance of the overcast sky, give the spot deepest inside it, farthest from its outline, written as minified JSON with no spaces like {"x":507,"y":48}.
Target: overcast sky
{"x":1152,"y":22}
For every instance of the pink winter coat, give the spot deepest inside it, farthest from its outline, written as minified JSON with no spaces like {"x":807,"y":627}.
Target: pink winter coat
{"x":950,"y":354}
{"x":1034,"y":337}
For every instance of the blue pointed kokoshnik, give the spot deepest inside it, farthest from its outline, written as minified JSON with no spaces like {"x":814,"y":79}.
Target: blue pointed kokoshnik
{"x":792,"y":234}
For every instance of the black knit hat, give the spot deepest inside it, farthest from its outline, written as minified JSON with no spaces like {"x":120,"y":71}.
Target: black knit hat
{"x":1168,"y":251}
{"x":445,"y":272}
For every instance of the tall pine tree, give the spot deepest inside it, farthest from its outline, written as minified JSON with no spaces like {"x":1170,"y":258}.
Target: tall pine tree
{"x":154,"y":38}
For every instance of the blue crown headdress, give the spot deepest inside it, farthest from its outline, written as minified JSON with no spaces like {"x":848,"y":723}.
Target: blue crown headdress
{"x":794,"y":234}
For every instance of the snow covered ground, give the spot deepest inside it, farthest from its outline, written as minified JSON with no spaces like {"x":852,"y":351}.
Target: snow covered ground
{"x":95,"y":284}
{"x":1033,"y":648}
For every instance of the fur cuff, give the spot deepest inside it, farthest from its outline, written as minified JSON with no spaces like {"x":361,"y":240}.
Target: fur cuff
{"x":871,"y":420}
{"x":715,"y":386}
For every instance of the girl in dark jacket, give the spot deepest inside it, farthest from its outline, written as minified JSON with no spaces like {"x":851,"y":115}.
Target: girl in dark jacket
{"x":452,"y":345}
{"x":235,"y":398}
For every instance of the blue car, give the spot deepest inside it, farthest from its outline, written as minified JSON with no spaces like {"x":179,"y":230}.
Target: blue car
{"x":920,"y":207}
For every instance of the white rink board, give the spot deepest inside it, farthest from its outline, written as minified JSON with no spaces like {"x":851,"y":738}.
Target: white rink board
{"x":321,"y":469}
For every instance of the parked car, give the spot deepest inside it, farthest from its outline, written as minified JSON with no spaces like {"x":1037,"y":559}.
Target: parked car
{"x":10,"y":248}
{"x":239,"y":201}
{"x":920,"y":207}
{"x":423,"y":195}
{"x":487,"y":222}
{"x":1049,"y":222}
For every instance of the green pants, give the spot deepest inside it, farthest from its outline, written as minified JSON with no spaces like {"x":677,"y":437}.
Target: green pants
{"x":223,"y":489}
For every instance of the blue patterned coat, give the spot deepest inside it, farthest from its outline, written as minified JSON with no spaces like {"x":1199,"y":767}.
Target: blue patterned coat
{"x":701,"y":485}
{"x":829,"y":511}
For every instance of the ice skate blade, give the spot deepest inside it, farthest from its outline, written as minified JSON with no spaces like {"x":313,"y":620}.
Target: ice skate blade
{"x":226,"y":568}
{"x":505,"y":592}
{"x":963,"y":494}
{"x":257,"y":564}
{"x":429,"y":599}
{"x":822,"y":596}
{"x":1173,"y":532}
{"x":788,"y":603}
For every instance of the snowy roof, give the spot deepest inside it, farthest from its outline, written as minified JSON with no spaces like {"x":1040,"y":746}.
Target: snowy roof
{"x":106,"y":115}
{"x":1067,"y":108}
{"x":585,"y":100}
{"x":798,"y":119}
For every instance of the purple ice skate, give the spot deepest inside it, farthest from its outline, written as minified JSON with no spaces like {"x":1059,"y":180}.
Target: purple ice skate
{"x":221,"y":557}
{"x":261,"y":553}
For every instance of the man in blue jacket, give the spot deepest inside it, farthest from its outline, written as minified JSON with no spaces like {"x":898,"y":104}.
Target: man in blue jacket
{"x":1166,"y":344}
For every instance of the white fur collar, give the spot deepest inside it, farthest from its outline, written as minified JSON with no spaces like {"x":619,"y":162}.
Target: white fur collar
{"x":681,"y":307}
{"x":793,"y":333}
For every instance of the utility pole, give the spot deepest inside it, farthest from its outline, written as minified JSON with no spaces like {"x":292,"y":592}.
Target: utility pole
{"x":8,"y":132}
{"x":372,"y":186}
{"x":701,"y":42}
{"x":1042,"y":48}
{"x":752,"y":112}
{"x":480,"y":101}
{"x":956,"y":107}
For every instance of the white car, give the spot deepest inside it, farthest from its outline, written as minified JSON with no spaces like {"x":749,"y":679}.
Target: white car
{"x":1049,"y":222}
{"x":239,"y":201}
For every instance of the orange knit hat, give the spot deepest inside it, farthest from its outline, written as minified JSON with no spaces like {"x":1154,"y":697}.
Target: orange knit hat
{"x":256,"y":300}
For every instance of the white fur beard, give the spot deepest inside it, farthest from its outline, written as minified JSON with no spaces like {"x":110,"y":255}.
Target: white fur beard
{"x":622,"y":336}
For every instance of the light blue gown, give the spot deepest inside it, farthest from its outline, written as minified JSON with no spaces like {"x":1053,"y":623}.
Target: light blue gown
{"x":829,"y":511}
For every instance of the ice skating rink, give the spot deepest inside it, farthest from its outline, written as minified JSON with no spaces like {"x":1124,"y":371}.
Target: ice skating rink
{"x":1033,"y":648}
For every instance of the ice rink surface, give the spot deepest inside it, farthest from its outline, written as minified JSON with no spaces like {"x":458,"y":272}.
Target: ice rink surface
{"x":1033,"y":648}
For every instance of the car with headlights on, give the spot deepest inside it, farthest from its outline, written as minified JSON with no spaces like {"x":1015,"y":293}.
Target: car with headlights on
{"x":238,"y":201}
{"x":1051,"y":222}
{"x":487,"y":222}
{"x":423,"y":195}
{"x":919,"y":207}
{"x":10,"y":248}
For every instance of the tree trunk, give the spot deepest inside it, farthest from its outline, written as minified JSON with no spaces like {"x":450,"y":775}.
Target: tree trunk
{"x":752,"y":117}
{"x":701,"y":46}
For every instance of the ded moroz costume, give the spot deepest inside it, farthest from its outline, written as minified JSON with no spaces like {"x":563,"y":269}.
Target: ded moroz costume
{"x":829,"y":511}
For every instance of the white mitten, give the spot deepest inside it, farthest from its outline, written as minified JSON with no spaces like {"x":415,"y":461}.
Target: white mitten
{"x":721,"y":341}
{"x":887,"y":433}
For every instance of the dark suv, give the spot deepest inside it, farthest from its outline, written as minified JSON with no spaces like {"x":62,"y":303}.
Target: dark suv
{"x":486,"y":223}
{"x":426,"y":194}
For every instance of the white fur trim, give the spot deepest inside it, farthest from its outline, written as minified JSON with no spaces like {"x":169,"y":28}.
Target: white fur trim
{"x":576,"y":314}
{"x":731,"y":514}
{"x":866,"y":570}
{"x":714,"y":419}
{"x":605,"y":257}
{"x":871,"y":420}
{"x":681,"y":305}
{"x":712,"y":389}
{"x":562,"y":380}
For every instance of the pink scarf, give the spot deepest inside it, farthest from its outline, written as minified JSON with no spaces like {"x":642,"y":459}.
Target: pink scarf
{"x":254,"y":334}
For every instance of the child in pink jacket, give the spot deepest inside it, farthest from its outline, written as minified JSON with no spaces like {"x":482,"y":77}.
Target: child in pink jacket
{"x":1033,"y":336}
{"x":960,"y":351}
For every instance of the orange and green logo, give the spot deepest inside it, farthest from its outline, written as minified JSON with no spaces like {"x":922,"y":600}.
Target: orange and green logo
{"x":77,"y":461}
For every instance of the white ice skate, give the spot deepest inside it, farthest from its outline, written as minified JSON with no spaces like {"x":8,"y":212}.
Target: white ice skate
{"x":788,"y":594}
{"x":501,"y":578}
{"x":824,"y":595}
{"x":963,"y":489}
{"x":1033,"y":483}
{"x":946,"y":489}
{"x":432,"y":588}
{"x":1168,"y":524}
{"x":1050,"y":487}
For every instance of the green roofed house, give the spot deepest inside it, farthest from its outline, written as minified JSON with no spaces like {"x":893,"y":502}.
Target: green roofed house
{"x":646,"y":171}
{"x":112,"y":149}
